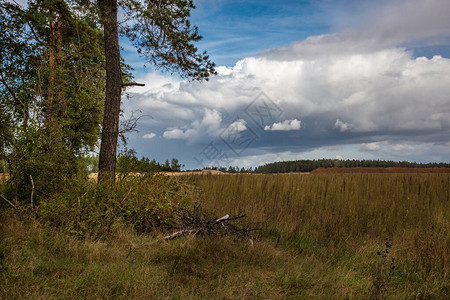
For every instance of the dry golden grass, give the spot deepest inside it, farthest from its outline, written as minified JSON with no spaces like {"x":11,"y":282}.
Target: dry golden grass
{"x":329,"y":226}
{"x":39,"y":264}
{"x":189,"y":173}
{"x":340,"y":218}
{"x":379,"y":170}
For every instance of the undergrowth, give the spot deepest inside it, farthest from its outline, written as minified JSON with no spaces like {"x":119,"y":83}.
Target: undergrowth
{"x":38,"y":262}
{"x":145,"y":203}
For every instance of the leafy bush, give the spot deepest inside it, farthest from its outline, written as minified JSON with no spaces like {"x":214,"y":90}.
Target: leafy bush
{"x":144,"y":203}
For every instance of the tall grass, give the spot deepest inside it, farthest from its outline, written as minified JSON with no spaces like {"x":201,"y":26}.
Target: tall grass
{"x":94,"y":243}
{"x":37,"y":263}
{"x":341,"y":217}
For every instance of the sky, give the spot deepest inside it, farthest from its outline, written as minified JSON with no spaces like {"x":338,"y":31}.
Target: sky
{"x":303,"y":80}
{"x":306,"y":79}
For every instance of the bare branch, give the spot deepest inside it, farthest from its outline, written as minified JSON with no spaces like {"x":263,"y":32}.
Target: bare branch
{"x":32,"y":200}
{"x":197,"y":223}
{"x":179,"y":233}
{"x":125,"y":84}
{"x":82,"y":196}
{"x":36,"y":36}
{"x":32,"y":193}
{"x":227,"y":216}
{"x":11,"y":92}
{"x":9,"y":202}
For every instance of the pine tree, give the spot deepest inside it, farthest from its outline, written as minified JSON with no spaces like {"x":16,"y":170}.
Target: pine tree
{"x":163,"y":34}
{"x":51,"y":89}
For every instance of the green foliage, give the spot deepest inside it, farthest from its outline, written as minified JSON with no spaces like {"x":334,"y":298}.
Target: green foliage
{"x":51,"y":90}
{"x":162,"y":33}
{"x":3,"y":166}
{"x":90,"y":163}
{"x":17,"y":76}
{"x":174,"y":165}
{"x":32,"y":158}
{"x":127,"y":162}
{"x":144,"y":203}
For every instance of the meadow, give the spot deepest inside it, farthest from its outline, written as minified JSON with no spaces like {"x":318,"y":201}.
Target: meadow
{"x":323,"y":236}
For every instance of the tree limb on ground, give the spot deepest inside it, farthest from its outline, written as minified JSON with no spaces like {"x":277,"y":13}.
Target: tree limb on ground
{"x":9,"y":202}
{"x":197,"y":223}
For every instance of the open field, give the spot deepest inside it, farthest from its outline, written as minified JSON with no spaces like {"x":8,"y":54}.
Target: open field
{"x":339,"y":219}
{"x":380,"y":170}
{"x":329,"y":229}
{"x":188,"y":173}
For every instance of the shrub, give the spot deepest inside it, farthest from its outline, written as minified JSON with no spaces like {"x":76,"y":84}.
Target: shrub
{"x":144,"y":203}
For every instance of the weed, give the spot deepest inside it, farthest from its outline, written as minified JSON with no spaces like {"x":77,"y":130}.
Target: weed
{"x":383,"y":270}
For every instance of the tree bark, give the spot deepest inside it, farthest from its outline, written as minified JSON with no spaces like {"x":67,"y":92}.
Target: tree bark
{"x":110,"y":131}
{"x":51,"y":73}
{"x":55,"y":94}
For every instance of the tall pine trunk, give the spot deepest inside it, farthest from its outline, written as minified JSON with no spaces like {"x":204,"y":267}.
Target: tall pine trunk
{"x":110,"y":131}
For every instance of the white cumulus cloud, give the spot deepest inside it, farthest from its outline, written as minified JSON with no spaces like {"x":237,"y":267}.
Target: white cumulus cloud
{"x":238,"y":125}
{"x":370,"y":146}
{"x":342,"y":126}
{"x":286,"y":125}
{"x":208,"y":126}
{"x":149,"y":135}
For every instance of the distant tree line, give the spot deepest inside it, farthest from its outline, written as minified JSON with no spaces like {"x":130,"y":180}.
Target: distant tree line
{"x":310,"y":165}
{"x":128,"y":162}
{"x":230,"y":169}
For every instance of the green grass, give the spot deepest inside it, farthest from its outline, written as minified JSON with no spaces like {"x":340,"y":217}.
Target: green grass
{"x":38,"y":264}
{"x":329,"y":227}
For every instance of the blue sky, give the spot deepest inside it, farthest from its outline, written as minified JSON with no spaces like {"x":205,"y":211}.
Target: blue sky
{"x":350,"y":79}
{"x":233,"y":30}
{"x":236,"y":29}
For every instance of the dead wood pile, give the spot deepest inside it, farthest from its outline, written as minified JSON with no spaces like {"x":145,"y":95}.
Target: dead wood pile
{"x":196,"y":223}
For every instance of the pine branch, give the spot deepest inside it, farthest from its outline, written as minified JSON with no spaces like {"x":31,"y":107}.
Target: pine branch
{"x":125,"y":84}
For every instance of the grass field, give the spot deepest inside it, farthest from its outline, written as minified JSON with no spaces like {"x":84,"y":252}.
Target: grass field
{"x":339,"y":219}
{"x":391,"y":170}
{"x":330,"y":228}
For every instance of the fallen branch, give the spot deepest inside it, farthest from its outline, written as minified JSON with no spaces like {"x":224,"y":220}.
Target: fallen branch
{"x":278,"y":241}
{"x":32,"y":193}
{"x":180,"y":233}
{"x":9,"y":202}
{"x":197,"y":223}
{"x":223,"y":218}
{"x":31,"y":198}
{"x":235,"y":218}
